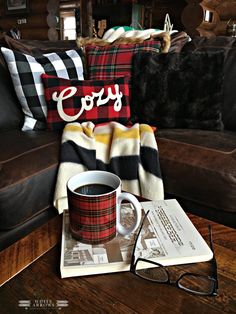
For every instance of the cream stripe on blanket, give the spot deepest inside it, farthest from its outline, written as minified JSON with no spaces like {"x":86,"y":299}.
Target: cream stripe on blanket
{"x":131,"y":153}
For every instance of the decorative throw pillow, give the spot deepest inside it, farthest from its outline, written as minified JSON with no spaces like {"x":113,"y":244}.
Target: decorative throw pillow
{"x":178,"y":90}
{"x":96,"y":101}
{"x":113,"y":61}
{"x":226,"y":44}
{"x":25,"y":72}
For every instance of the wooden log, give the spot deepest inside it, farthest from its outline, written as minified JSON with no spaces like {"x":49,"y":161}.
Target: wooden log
{"x":52,"y":20}
{"x":220,"y":29}
{"x":193,"y":1}
{"x":2,"y":11}
{"x":192,"y":16}
{"x":212,"y":15}
{"x":53,"y":6}
{"x":8,"y":23}
{"x":34,"y":7}
{"x":65,"y":12}
{"x":33,"y":21}
{"x":53,"y":34}
{"x":227,"y":10}
{"x":200,"y":32}
{"x":211,"y":3}
{"x":37,"y":33}
{"x":38,"y":6}
{"x":192,"y":32}
{"x":86,"y":13}
{"x":69,"y":4}
{"x":199,"y":16}
{"x":206,"y":33}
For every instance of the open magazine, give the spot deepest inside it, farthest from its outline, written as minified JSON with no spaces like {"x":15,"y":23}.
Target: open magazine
{"x":168,"y":237}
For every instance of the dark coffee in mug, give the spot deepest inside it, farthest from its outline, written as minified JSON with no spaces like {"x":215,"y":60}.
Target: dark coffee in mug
{"x":94,"y":189}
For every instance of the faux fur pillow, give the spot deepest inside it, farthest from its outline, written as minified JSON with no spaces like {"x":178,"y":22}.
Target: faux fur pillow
{"x":178,"y":90}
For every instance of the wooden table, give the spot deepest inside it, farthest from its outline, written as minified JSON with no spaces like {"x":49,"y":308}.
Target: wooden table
{"x":40,"y":283}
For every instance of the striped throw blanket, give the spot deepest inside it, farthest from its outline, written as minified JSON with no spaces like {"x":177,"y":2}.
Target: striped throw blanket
{"x":129,"y":152}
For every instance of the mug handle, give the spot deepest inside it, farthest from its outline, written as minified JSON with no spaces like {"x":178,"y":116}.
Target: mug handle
{"x":138,"y":213}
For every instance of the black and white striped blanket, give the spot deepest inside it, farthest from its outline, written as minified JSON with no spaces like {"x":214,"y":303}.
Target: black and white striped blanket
{"x":129,"y":152}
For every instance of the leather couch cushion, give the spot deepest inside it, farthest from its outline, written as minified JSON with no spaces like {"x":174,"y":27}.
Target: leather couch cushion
{"x":11,"y":116}
{"x":228,"y":45}
{"x":38,"y":47}
{"x":199,"y":166}
{"x":28,"y":168}
{"x":8,"y":237}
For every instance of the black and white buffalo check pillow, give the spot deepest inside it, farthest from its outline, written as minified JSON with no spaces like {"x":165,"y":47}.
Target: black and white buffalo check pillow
{"x":26,"y":73}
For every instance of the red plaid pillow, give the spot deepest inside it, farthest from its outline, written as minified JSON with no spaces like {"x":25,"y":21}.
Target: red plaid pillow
{"x":96,"y":101}
{"x":108,"y":62}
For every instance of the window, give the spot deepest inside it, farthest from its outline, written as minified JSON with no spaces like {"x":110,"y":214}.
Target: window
{"x":208,"y":16}
{"x":68,"y":27}
{"x":68,"y":14}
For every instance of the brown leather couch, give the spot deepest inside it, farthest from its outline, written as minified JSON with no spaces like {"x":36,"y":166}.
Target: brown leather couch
{"x":198,"y":167}
{"x":28,"y":167}
{"x":28,"y":160}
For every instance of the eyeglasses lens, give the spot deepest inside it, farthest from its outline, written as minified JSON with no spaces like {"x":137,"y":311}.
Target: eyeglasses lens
{"x":148,"y":271}
{"x":196,"y":283}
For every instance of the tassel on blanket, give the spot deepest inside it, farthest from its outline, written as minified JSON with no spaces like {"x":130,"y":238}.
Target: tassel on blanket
{"x":129,"y":152}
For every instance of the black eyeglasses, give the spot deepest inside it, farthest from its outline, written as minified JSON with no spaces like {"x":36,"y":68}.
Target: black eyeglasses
{"x":196,"y":283}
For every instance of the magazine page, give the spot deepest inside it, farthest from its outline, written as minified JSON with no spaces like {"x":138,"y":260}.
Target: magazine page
{"x":169,"y":236}
{"x":79,"y":259}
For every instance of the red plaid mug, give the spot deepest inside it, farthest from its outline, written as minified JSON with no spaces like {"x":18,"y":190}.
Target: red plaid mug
{"x":94,"y":199}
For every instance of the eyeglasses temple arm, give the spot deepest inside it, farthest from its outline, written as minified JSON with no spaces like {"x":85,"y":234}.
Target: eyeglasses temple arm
{"x":135,"y":243}
{"x":213,"y":260}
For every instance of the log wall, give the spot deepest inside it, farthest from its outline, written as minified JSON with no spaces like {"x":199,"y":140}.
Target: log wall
{"x":41,"y":21}
{"x":173,"y":7}
{"x":122,"y":11}
{"x":222,"y":12}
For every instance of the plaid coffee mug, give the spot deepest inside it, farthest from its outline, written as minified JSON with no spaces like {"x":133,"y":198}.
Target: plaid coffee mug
{"x":94,"y":199}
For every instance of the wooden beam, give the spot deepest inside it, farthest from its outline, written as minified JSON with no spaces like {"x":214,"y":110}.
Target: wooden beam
{"x":86,"y":18}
